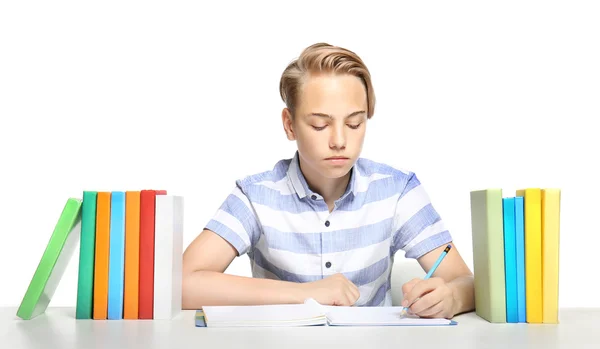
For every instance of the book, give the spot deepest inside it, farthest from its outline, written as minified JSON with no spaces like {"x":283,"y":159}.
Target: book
{"x":309,"y":313}
{"x":146,"y":274}
{"x":101,"y":257}
{"x":132,"y":255}
{"x":550,"y":210}
{"x":168,"y":256}
{"x":532,"y":201}
{"x":87,"y":244}
{"x":54,"y":261}
{"x":520,"y":249}
{"x":116,"y":272}
{"x":510,"y":260}
{"x":488,"y":254}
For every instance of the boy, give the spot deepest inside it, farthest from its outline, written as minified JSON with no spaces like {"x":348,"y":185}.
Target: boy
{"x":326,"y":224}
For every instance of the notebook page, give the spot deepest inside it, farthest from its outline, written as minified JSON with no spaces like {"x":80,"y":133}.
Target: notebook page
{"x":263,"y":315}
{"x":376,"y":316}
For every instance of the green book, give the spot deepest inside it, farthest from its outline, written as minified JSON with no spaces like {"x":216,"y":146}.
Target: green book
{"x":488,"y":254}
{"x":54,"y":261}
{"x":87,"y":246}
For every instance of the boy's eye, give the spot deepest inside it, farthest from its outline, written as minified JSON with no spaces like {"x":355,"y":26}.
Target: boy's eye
{"x":318,"y":128}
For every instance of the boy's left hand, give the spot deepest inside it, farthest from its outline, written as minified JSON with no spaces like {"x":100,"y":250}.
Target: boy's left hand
{"x":431,"y":298}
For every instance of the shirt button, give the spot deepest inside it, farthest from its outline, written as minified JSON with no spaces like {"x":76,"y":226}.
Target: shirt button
{"x":328,"y":264}
{"x":326,"y":223}
{"x":314,"y":197}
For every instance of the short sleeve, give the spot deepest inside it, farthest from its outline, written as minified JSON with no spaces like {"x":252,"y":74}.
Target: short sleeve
{"x":236,"y":222}
{"x":417,"y":226}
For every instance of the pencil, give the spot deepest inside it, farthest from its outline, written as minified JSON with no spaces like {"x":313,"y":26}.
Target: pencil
{"x":431,"y":271}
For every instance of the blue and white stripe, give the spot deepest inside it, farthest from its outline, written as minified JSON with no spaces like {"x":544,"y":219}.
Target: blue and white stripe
{"x":279,"y":222}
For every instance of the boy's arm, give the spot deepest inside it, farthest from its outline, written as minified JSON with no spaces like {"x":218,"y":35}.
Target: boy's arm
{"x":450,"y":290}
{"x":204,"y":282}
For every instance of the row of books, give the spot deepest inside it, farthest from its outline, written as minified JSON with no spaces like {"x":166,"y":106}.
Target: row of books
{"x":516,"y":254}
{"x":130,"y":256}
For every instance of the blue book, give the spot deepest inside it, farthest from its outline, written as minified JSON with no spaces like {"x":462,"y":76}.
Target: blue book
{"x":510,"y":259}
{"x":116,"y":265}
{"x":520,"y":248}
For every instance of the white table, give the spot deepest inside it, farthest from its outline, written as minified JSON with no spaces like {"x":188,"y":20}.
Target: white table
{"x":58,"y":328}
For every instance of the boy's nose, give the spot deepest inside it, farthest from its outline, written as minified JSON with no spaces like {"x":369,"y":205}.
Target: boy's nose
{"x":338,"y":139}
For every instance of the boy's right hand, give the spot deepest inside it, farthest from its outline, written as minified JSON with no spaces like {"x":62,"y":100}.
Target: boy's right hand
{"x":333,"y":290}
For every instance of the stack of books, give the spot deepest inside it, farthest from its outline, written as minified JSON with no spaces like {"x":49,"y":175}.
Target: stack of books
{"x":516,"y":254}
{"x":130,"y":256}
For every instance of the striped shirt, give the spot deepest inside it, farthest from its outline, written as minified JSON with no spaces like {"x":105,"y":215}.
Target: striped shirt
{"x":289,"y":234}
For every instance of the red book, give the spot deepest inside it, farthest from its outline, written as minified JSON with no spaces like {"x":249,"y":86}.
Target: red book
{"x":146,"y":275}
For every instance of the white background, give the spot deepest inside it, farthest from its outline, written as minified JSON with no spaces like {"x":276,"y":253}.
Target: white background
{"x":118,"y":95}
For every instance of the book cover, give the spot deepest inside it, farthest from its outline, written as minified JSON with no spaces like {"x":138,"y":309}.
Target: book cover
{"x":85,"y":277}
{"x":488,"y":254}
{"x":132,"y":254}
{"x":510,"y":260}
{"x":520,"y":246}
{"x":550,"y":253}
{"x":53,"y":263}
{"x":532,"y":201}
{"x":101,"y":257}
{"x":116,"y":272}
{"x":168,"y":256}
{"x":146,"y":274}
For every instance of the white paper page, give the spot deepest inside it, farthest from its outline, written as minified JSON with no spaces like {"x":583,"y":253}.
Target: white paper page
{"x":376,"y":316}
{"x":263,"y":315}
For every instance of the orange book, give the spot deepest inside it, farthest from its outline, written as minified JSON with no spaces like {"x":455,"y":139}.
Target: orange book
{"x":132,"y":254}
{"x":101,"y":256}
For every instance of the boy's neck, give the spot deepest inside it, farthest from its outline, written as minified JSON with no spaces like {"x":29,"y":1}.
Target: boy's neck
{"x":330,"y":189}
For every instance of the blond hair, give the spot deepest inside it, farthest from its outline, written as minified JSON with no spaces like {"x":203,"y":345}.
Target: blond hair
{"x":323,"y":58}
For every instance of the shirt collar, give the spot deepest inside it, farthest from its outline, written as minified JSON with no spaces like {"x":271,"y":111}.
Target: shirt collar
{"x":301,"y":186}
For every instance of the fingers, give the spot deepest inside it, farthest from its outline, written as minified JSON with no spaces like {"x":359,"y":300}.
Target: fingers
{"x":422,"y":288}
{"x":407,"y":287}
{"x":433,"y":304}
{"x":353,"y":292}
{"x":348,"y":292}
{"x":423,"y":308}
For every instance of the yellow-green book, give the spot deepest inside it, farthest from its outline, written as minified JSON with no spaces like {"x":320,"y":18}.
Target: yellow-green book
{"x":487,"y":228}
{"x":54,"y":261}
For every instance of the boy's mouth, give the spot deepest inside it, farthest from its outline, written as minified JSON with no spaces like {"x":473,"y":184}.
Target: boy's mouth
{"x":337,"y":160}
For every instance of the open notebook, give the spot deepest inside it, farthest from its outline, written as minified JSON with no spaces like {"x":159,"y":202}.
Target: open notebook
{"x":310,"y":313}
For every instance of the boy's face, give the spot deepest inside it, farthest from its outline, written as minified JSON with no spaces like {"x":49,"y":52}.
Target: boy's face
{"x":329,"y":125}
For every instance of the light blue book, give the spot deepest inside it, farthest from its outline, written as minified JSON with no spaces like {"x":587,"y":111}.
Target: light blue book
{"x":116,"y":265}
{"x":510,"y":259}
{"x":520,"y":248}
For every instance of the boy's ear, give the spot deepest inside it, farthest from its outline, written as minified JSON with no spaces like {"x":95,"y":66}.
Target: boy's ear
{"x":286,"y":118}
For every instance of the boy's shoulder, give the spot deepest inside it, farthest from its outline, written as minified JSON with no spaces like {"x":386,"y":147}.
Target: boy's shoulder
{"x":275,"y":174}
{"x":368,"y":167}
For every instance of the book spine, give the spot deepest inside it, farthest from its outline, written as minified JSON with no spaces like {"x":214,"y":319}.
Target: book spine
{"x":147,"y":225}
{"x":116,"y":256}
{"x":550,"y":254}
{"x":520,"y":248}
{"x":85,"y":279}
{"x":132,"y":255}
{"x":533,"y":254}
{"x":101,"y":258}
{"x":510,"y":260}
{"x":168,"y":258}
{"x":488,"y":254}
